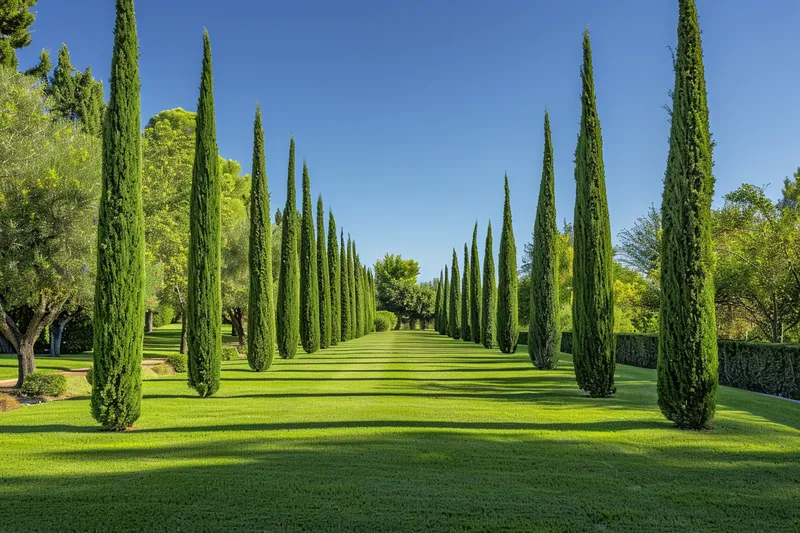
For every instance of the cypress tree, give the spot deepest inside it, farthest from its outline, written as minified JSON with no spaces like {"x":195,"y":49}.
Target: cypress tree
{"x":475,"y":289}
{"x":324,"y":278}
{"x":507,"y":289}
{"x":119,"y":289}
{"x":351,"y":279}
{"x":489,"y":292}
{"x":687,"y":360}
{"x":373,"y":300}
{"x":445,"y":328}
{"x":345,"y":292}
{"x":335,"y":281}
{"x":466,"y":298}
{"x":288,"y":310}
{"x":544,"y":332}
{"x":593,"y":347}
{"x":309,"y":279}
{"x":204,"y":327}
{"x":437,"y":306}
{"x":454,"y":328}
{"x":261,"y":312}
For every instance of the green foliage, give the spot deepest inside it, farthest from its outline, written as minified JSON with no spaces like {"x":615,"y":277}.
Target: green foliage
{"x":261,"y":311}
{"x":90,"y":375}
{"x":15,"y":22}
{"x":229,"y":353}
{"x":507,"y":288}
{"x":324,"y":280}
{"x":593,"y":304}
{"x":40,"y":384}
{"x":78,"y":335}
{"x":119,"y":294}
{"x":309,"y":281}
{"x":351,"y":280}
{"x":544,"y":329}
{"x":344,"y":287}
{"x":178,"y":361}
{"x":454,"y":311}
{"x":475,"y":293}
{"x":334,"y":267}
{"x":445,"y":329}
{"x":76,"y":96}
{"x":438,"y":303}
{"x":41,"y":70}
{"x":489,"y":293}
{"x":165,"y":314}
{"x":205,"y":305}
{"x":687,"y":363}
{"x":385,"y":321}
{"x":288,"y":310}
{"x":466,"y":298}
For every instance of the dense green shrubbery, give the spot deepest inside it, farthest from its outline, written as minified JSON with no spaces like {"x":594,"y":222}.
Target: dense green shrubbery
{"x":385,"y":320}
{"x":229,"y":353}
{"x":78,"y":336}
{"x":243,"y":350}
{"x":90,"y":375}
{"x":38,"y":384}
{"x":165,"y":314}
{"x":178,"y":362}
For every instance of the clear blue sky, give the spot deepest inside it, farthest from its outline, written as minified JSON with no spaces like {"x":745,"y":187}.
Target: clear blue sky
{"x":410,"y":112}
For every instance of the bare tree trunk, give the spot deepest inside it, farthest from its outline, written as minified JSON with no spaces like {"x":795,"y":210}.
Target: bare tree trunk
{"x":148,"y":321}
{"x":240,"y":326}
{"x":183,"y":334}
{"x":399,"y":323}
{"x":26,"y":360}
{"x":57,"y":334}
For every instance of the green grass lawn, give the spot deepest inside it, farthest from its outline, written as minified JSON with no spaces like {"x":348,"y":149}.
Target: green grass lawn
{"x":402,"y":431}
{"x":8,"y":364}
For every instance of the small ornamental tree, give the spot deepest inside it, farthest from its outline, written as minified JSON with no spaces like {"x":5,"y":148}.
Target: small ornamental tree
{"x":324,"y":280}
{"x":507,"y":289}
{"x":489,"y":292}
{"x":288,"y":310}
{"x":475,"y":289}
{"x":335,"y":281}
{"x":454,"y":312}
{"x":309,"y":284}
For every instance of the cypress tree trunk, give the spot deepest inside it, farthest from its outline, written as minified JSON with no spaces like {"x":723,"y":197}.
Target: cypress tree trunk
{"x":475,"y":289}
{"x":445,"y":324}
{"x":205,"y":299}
{"x":335,"y":281}
{"x":261,"y":320}
{"x":507,"y":289}
{"x":345,"y":290}
{"x":119,"y":289}
{"x":309,"y":284}
{"x":466,"y":298}
{"x":489,"y":292}
{"x":593,"y":345}
{"x":288,"y":310}
{"x":687,"y":360}
{"x":544,"y":332}
{"x":454,"y":313}
{"x":324,"y":279}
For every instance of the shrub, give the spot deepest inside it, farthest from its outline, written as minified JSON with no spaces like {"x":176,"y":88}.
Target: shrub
{"x":243,"y":350}
{"x":78,"y":336}
{"x":38,"y":384}
{"x":165,"y":314}
{"x":385,"y":320}
{"x":162,"y":369}
{"x":229,"y":353}
{"x":90,"y":375}
{"x":177,"y":361}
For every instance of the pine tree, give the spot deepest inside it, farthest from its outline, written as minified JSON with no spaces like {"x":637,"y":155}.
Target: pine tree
{"x":544,"y":332}
{"x":335,"y":281}
{"x":119,"y":290}
{"x":445,"y":329}
{"x":437,"y":303}
{"x":489,"y":292}
{"x":15,"y":22}
{"x":454,"y":312}
{"x":507,"y":289}
{"x":261,"y":312}
{"x":63,"y":87}
{"x":90,"y":103}
{"x":688,"y":372}
{"x":288,"y":310}
{"x":345,"y":291}
{"x":475,"y":289}
{"x":204,"y":326}
{"x":309,"y":280}
{"x":593,"y":350}
{"x":324,"y":280}
{"x":466,"y":298}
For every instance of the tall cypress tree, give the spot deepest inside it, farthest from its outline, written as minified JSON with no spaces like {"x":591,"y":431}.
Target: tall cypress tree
{"x":358,"y":294}
{"x":445,"y":330}
{"x":454,"y":312}
{"x":687,"y":357}
{"x":593,"y":347}
{"x":466,"y":298}
{"x":544,"y":332}
{"x":345,"y":291}
{"x":204,"y":326}
{"x":119,"y":290}
{"x":261,"y":314}
{"x":351,"y":279}
{"x":489,"y":292}
{"x":288,"y":310}
{"x":309,"y":283}
{"x":324,"y":278}
{"x":475,"y":289}
{"x":437,"y":306}
{"x":335,"y":281}
{"x":507,"y":288}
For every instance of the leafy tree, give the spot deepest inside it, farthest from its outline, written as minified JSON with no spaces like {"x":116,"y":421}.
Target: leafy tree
{"x":50,"y":183}
{"x":205,"y":305}
{"x":335,"y":281}
{"x":544,"y":332}
{"x":454,"y":312}
{"x":234,"y":270}
{"x":324,"y":279}
{"x":640,"y":246}
{"x":261,"y":316}
{"x":475,"y":289}
{"x":445,"y":327}
{"x":593,"y":347}
{"x":119,"y":293}
{"x":344,"y":279}
{"x":489,"y":293}
{"x":15,"y":22}
{"x":466,"y":298}
{"x":507,"y":289}
{"x":309,"y":279}
{"x":288,"y":310}
{"x":393,"y":275}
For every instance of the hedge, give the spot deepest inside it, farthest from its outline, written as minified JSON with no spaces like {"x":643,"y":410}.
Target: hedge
{"x":38,"y":385}
{"x":78,"y":336}
{"x":754,"y":366}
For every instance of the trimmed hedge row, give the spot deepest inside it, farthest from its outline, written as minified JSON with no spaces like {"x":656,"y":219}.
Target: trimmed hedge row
{"x":759,"y":367}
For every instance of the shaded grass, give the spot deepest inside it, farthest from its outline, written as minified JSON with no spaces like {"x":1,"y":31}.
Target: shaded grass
{"x":402,"y":431}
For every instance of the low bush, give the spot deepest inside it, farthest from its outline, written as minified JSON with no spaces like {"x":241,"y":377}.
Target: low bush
{"x":38,"y":384}
{"x":178,"y":362}
{"x":162,"y":369}
{"x":385,"y":320}
{"x":229,"y":353}
{"x":90,"y":375}
{"x":164,"y":315}
{"x":242,"y":349}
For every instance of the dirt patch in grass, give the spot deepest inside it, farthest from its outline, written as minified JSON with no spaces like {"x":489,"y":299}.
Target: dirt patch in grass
{"x":8,"y":402}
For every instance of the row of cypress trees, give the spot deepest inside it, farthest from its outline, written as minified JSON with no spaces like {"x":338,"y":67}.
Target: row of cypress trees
{"x":687,"y":361}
